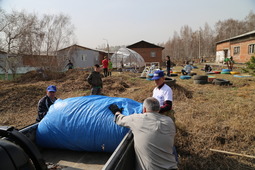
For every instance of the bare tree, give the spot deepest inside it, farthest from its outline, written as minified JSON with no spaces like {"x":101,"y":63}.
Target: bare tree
{"x":57,"y":32}
{"x":15,"y":27}
{"x":190,"y":45}
{"x":27,"y":42}
{"x":25,"y":34}
{"x":250,"y":22}
{"x":3,"y":24}
{"x":185,"y":34}
{"x":14,"y":63}
{"x":207,"y":44}
{"x":229,"y":28}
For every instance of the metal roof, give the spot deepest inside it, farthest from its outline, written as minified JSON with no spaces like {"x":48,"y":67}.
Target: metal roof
{"x":143,"y":44}
{"x":86,"y":48}
{"x":236,"y":37}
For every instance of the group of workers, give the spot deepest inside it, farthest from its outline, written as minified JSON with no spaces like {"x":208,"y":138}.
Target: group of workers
{"x":153,"y":131}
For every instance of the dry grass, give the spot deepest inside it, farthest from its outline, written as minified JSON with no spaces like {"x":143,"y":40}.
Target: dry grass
{"x":207,"y":116}
{"x":218,"y":117}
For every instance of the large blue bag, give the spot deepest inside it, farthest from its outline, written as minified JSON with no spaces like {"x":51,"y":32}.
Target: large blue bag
{"x":84,"y":123}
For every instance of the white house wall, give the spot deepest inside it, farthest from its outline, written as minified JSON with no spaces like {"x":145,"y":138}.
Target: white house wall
{"x":81,"y":58}
{"x":219,"y":56}
{"x":85,"y":58}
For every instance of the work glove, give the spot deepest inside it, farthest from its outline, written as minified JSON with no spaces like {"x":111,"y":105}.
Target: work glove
{"x":114,"y":108}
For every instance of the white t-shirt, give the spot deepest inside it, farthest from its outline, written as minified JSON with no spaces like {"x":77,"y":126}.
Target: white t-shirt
{"x":163,"y":94}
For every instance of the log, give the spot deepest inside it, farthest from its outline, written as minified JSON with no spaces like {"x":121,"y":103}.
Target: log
{"x":233,"y":153}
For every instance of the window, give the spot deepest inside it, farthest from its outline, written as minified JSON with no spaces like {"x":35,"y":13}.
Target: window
{"x":251,"y":49}
{"x":83,"y":57}
{"x":237,"y":50}
{"x":153,"y":54}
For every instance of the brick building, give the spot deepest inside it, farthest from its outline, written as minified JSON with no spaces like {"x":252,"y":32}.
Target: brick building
{"x":39,"y":61}
{"x":240,"y":47}
{"x":149,"y":52}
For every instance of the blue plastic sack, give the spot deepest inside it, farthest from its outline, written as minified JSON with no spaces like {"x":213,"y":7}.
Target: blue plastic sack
{"x":84,"y":123}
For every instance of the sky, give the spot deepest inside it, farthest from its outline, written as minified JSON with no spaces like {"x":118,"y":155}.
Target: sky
{"x":125,"y":22}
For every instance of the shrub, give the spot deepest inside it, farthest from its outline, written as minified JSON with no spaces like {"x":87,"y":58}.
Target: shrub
{"x":251,"y":64}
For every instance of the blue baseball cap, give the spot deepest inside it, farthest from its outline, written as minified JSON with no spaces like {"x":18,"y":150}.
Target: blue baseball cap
{"x":52,"y":88}
{"x":157,"y":75}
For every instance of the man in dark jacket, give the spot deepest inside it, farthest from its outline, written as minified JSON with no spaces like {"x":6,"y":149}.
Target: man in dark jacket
{"x":95,"y":80}
{"x":69,"y":65}
{"x":45,"y":102}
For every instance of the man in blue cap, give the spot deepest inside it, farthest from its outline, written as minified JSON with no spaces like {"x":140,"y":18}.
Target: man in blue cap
{"x":45,"y":102}
{"x":162,"y":92}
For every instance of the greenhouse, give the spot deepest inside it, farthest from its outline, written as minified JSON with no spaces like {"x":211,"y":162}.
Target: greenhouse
{"x":127,"y":58}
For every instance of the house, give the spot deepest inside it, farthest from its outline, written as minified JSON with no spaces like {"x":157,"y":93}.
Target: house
{"x":149,"y":52}
{"x":81,"y":57}
{"x":240,"y":47}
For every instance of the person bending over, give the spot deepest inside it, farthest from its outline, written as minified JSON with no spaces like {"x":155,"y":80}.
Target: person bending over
{"x":154,"y":135}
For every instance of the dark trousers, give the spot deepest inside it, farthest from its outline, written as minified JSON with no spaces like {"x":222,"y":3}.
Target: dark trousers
{"x":105,"y":72}
{"x":96,"y":91}
{"x":184,"y":72}
{"x":168,"y":71}
{"x":109,"y":73}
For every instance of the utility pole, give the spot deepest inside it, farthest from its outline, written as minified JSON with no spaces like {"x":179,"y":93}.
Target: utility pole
{"x":107,"y":47}
{"x":199,"y":45}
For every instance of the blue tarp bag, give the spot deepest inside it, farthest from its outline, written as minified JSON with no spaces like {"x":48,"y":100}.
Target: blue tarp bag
{"x":84,"y":123}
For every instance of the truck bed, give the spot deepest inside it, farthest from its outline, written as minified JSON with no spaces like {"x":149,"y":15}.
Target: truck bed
{"x":67,"y":159}
{"x":123,"y":158}
{"x":75,"y":160}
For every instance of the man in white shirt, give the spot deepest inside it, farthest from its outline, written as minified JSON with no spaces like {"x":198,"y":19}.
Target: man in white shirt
{"x":153,"y":136}
{"x":162,"y":92}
